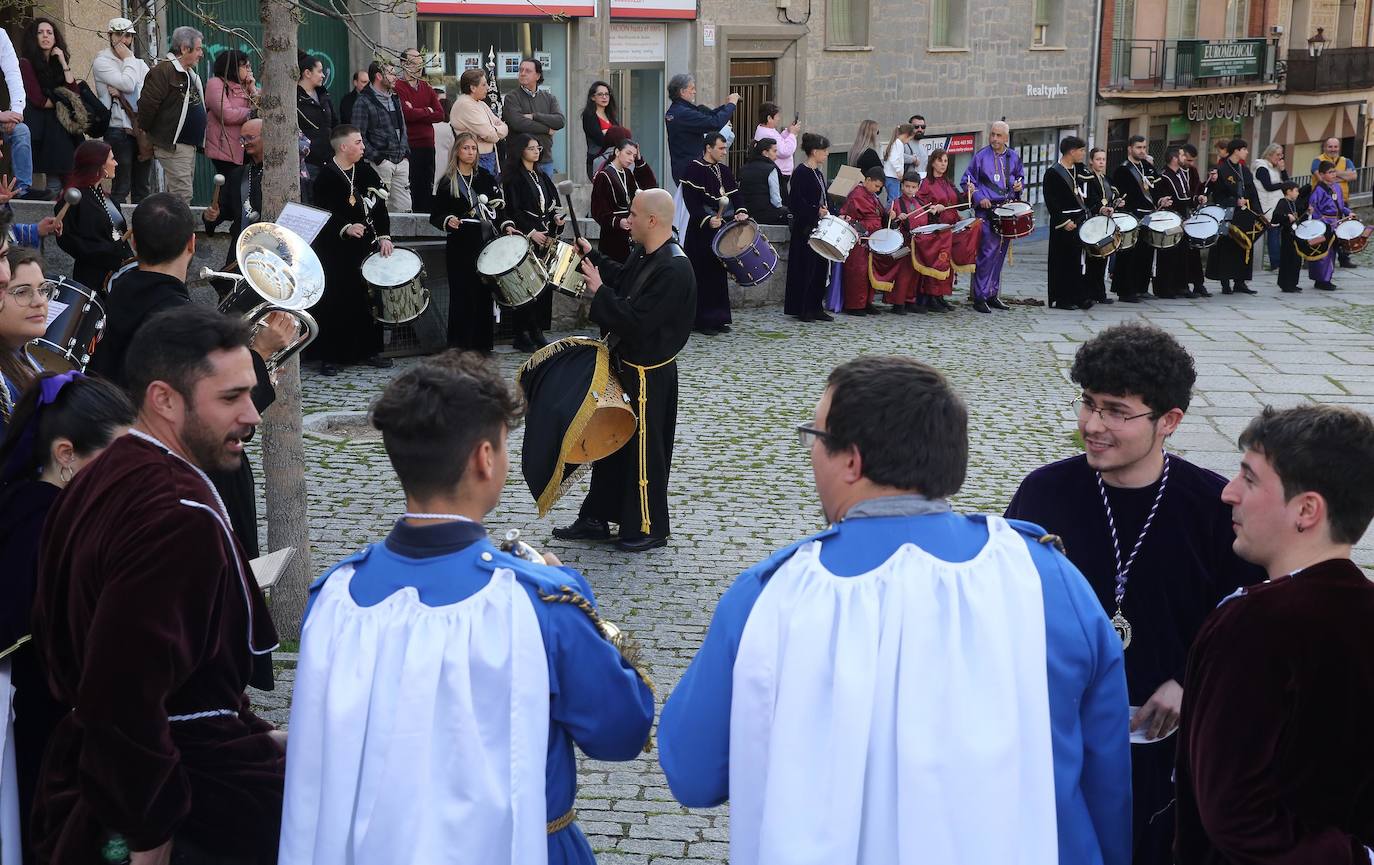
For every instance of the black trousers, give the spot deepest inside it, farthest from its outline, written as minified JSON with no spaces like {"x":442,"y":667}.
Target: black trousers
{"x":421,"y":178}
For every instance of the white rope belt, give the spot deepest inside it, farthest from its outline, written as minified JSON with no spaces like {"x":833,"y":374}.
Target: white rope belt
{"x":210,"y":713}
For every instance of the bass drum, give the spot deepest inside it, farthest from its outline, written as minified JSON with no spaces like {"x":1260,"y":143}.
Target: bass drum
{"x":1099,"y":236}
{"x":510,"y":264}
{"x":76,"y":321}
{"x":396,"y":284}
{"x":745,"y":252}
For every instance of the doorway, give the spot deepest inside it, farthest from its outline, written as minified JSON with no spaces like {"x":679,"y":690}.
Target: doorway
{"x":754,"y":81}
{"x":639,"y":94}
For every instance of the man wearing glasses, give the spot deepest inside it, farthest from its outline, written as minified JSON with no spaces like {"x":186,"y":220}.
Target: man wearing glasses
{"x":883,"y":686}
{"x":240,"y":200}
{"x":1150,"y":532}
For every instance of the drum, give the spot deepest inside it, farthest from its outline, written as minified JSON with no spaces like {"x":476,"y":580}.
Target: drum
{"x":887,"y":248}
{"x":1313,"y":238}
{"x":745,"y":252}
{"x":1201,"y":231}
{"x":964,"y":239}
{"x":1353,"y":234}
{"x":886,"y":242}
{"x":396,"y":284}
{"x":509,"y":263}
{"x":563,"y":263}
{"x":1099,"y":236}
{"x":933,"y":227}
{"x":1013,"y":219}
{"x":1163,"y":229}
{"x":1221,"y":214}
{"x":76,"y":321}
{"x":834,"y":238}
{"x":1129,"y":227}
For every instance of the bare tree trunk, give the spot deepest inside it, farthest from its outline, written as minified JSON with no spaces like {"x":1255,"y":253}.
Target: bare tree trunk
{"x":283,"y":450}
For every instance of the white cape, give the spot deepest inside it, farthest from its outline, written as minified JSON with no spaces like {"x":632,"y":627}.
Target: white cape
{"x":10,"y":847}
{"x":418,"y":734}
{"x":896,"y":717}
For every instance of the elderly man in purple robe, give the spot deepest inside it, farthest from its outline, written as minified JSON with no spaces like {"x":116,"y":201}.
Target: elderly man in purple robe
{"x":994,"y":177}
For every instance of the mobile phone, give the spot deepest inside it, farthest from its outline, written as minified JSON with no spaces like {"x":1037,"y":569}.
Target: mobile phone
{"x":796,"y":118}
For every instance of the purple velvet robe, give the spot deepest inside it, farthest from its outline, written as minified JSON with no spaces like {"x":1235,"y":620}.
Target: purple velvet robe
{"x":1328,"y":205}
{"x":993,"y":176}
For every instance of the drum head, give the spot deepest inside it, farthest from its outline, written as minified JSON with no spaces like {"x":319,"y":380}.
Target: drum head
{"x":1220,"y":214}
{"x":964,"y":224}
{"x":1018,"y":207}
{"x":1311,"y":229}
{"x":1350,"y":229}
{"x":885,"y":241}
{"x":502,"y":254}
{"x":1201,"y":225}
{"x":1163,"y":220}
{"x":932,"y":228}
{"x":736,"y":238}
{"x":1125,"y":222}
{"x":400,"y":267}
{"x":1096,"y":230}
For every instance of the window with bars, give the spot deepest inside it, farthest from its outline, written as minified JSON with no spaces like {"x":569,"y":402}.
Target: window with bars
{"x":949,"y":24}
{"x":1048,"y":27}
{"x":846,"y":23}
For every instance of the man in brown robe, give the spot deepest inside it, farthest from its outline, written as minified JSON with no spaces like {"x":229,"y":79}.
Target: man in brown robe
{"x":149,"y":623}
{"x":1275,"y":757}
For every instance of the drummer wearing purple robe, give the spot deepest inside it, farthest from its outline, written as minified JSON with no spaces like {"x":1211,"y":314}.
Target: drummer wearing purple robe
{"x":708,"y":188}
{"x":1326,"y":203}
{"x":994,"y":177}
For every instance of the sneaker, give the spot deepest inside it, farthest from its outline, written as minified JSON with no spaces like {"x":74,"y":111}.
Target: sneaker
{"x":32,"y":194}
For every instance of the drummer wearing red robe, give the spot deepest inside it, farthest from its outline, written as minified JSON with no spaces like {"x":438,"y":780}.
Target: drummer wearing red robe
{"x":865,"y":211}
{"x":150,"y":624}
{"x":907,"y":213}
{"x":936,"y":274}
{"x":708,"y":190}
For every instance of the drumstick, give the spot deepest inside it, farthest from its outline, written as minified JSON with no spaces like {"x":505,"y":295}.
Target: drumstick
{"x":72,"y":196}
{"x":214,"y":196}
{"x":565,"y":188}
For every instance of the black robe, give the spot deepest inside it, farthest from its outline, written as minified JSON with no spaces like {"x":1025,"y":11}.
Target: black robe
{"x":703,"y":186}
{"x":1100,"y":193}
{"x":1228,"y":261}
{"x":1184,"y":568}
{"x":234,"y":207}
{"x":530,"y":201}
{"x":645,"y":307}
{"x":1131,"y":272}
{"x":613,"y":191}
{"x":1067,"y":287}
{"x":1193,"y":257}
{"x":1171,"y":265}
{"x":88,"y":236}
{"x":348,"y":332}
{"x":471,"y":324}
{"x":1286,"y":216}
{"x":807,"y":272}
{"x":1275,"y":765}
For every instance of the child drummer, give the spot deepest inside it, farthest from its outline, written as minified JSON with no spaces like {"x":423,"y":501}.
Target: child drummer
{"x":907,"y":213}
{"x":1286,"y":216}
{"x":865,"y":211}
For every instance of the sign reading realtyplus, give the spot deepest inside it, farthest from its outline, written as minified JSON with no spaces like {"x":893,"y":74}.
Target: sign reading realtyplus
{"x":1238,"y":57}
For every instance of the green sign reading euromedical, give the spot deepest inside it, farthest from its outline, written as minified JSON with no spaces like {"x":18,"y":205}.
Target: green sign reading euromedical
{"x":1232,"y":57}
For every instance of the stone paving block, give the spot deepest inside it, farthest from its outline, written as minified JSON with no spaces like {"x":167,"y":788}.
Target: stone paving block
{"x":1304,"y":384}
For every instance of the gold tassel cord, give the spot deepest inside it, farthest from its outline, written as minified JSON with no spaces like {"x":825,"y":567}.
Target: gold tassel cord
{"x":644,"y":524}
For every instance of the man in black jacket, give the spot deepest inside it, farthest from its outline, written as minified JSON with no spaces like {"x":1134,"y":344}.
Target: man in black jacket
{"x":760,"y":186}
{"x":359,"y":82}
{"x":315,"y":114}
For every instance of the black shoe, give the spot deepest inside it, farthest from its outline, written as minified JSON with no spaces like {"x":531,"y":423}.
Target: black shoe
{"x":522,"y":343}
{"x":980,"y":306}
{"x":641,"y":544}
{"x":1105,"y":300}
{"x":1245,"y":289}
{"x":871,"y":309}
{"x":32,"y":194}
{"x":725,"y":328}
{"x":898,"y":309}
{"x":996,"y":303}
{"x":379,"y":362}
{"x":1226,"y":288}
{"x":1290,"y":290}
{"x":1345,"y":262}
{"x":920,"y":309}
{"x":943,"y":305}
{"x":1130,"y":298}
{"x":1086,"y":305}
{"x":328,"y":369}
{"x":537,"y":337}
{"x":1325,"y":286}
{"x":856,"y":312}
{"x":824,"y":316}
{"x":584,"y":529}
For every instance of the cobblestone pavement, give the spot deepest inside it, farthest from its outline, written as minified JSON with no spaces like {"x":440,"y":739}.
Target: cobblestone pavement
{"x":741,"y":485}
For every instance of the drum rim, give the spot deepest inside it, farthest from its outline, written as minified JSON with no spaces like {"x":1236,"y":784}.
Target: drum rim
{"x":1117,"y":217}
{"x":1352,"y":222}
{"x":1297,"y":229}
{"x":419,"y":274}
{"x":736,"y":226}
{"x":832,"y":219}
{"x":91,"y":295}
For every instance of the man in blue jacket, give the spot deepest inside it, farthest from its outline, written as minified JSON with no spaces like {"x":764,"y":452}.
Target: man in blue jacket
{"x":687,"y":122}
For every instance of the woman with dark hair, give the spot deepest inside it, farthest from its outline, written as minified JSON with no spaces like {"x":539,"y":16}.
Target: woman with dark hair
{"x":531,"y":201}
{"x":613,"y":190}
{"x":62,"y":422}
{"x":807,"y":273}
{"x":54,"y":113}
{"x":94,"y":232}
{"x":938,"y":193}
{"x":23,"y":318}
{"x":455,"y":212}
{"x":1100,"y":200}
{"x":760,"y":184}
{"x":229,"y":103}
{"x":599,"y":115}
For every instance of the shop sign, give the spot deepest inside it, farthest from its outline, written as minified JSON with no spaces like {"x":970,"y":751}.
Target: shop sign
{"x":1047,"y":91}
{"x":1232,"y":57}
{"x":508,"y":8}
{"x":962,"y":143}
{"x":682,"y":9}
{"x":1225,"y":106}
{"x":637,"y":43}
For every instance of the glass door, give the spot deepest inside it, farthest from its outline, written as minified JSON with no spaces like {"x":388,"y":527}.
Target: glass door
{"x":640,"y":94}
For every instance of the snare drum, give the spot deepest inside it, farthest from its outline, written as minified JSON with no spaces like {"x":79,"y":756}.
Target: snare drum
{"x":745,"y":252}
{"x":1353,"y":234}
{"x":886,"y":242}
{"x":563,"y":263}
{"x":1201,"y":231}
{"x":1221,"y":214}
{"x":933,"y":227}
{"x":1312,"y":238}
{"x":509,"y":263}
{"x":963,"y":243}
{"x":1013,"y":219}
{"x":887,"y":248}
{"x":1129,"y":227}
{"x":834,"y":238}
{"x":396,"y":284}
{"x":76,"y":321}
{"x":1163,"y":229}
{"x":1099,"y":236}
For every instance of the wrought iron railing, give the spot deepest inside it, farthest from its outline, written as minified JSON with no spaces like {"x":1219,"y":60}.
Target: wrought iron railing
{"x":1333,"y":69}
{"x":1190,"y":64}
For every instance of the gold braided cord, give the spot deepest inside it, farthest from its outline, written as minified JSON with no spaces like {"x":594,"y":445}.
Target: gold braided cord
{"x":1055,"y":541}
{"x":644,"y":524}
{"x":874,"y":282}
{"x":926,"y":270}
{"x":561,"y":823}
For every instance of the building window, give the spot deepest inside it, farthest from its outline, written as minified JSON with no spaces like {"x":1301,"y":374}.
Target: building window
{"x":1048,"y":31}
{"x":1237,"y":19}
{"x":949,"y":24}
{"x":1182,"y":19}
{"x":846,"y":23}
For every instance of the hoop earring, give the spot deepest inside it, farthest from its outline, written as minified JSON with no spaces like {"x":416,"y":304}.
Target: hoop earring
{"x":1300,"y":528}
{"x":65,"y":474}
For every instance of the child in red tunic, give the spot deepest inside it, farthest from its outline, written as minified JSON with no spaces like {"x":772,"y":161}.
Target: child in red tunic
{"x":907,"y":213}
{"x":862,"y":208}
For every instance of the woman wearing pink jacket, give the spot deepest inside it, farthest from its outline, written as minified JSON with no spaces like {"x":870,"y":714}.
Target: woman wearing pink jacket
{"x":230,"y":97}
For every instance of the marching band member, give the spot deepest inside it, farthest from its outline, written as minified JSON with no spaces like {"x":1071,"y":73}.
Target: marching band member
{"x":1134,"y":179}
{"x":150,"y":626}
{"x":904,"y":215}
{"x":936,"y":276}
{"x":351,"y":191}
{"x":874,"y":692}
{"x":1230,"y":260}
{"x":1326,"y":203}
{"x":807,"y":272}
{"x":1067,"y":213}
{"x":863,"y":209}
{"x":240,"y":202}
{"x":23,"y":318}
{"x":708,"y":188}
{"x":1198,"y":190}
{"x":1286,"y":216}
{"x":93,"y":229}
{"x":442,"y":682}
{"x":532,"y":205}
{"x":1099,"y":198}
{"x":61,"y":423}
{"x":1171,"y":265}
{"x":994,"y":176}
{"x":471,"y":322}
{"x":613,"y":189}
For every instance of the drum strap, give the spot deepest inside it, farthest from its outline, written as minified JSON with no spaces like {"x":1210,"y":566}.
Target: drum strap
{"x":644,"y":437}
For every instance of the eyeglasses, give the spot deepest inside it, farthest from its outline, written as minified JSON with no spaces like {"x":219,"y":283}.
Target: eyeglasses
{"x":918,"y":126}
{"x":247,"y":139}
{"x":807,"y":435}
{"x":602,"y":93}
{"x":1112,"y":419}
{"x":32,"y":295}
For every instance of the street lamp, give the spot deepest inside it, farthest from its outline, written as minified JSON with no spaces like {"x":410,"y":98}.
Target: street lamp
{"x":1317,"y":44}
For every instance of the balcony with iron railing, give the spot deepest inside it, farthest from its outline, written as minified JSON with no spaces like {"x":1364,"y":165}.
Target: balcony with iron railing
{"x":1144,"y":65}
{"x":1330,"y":70}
